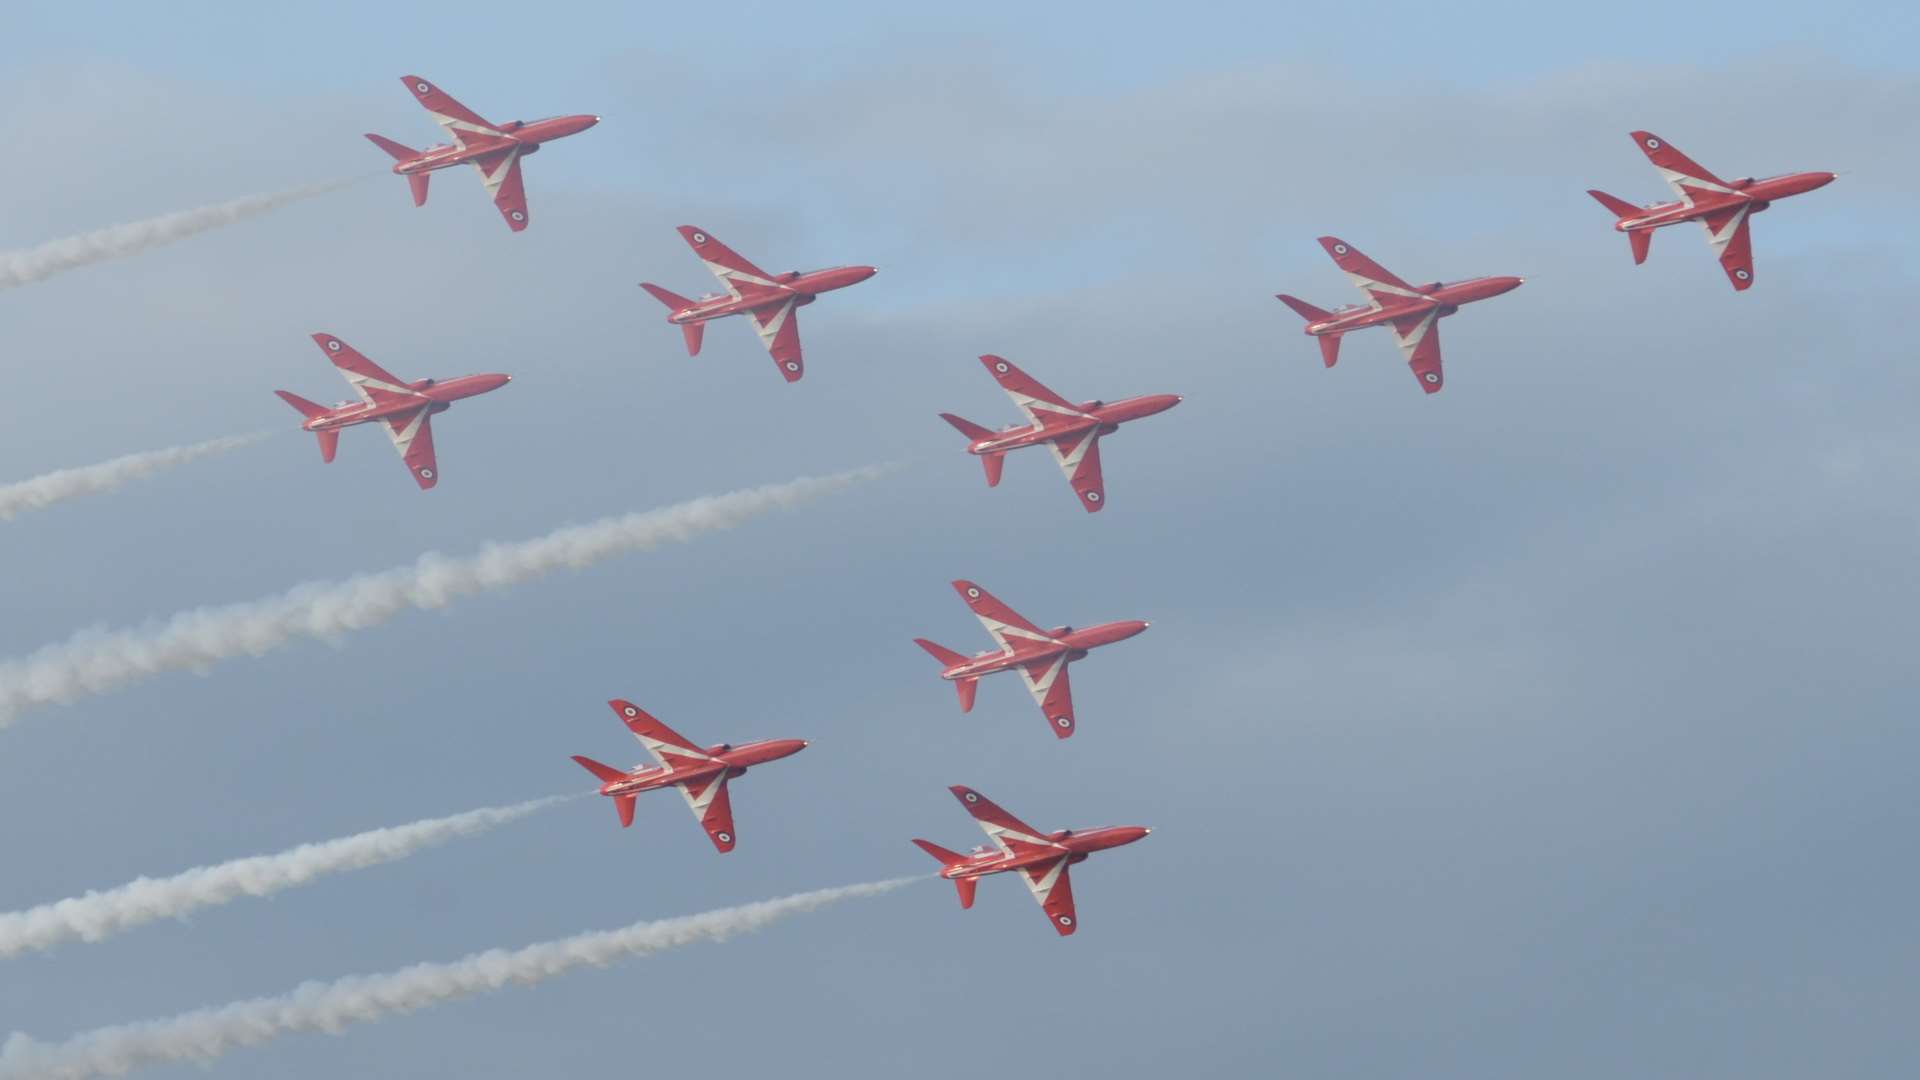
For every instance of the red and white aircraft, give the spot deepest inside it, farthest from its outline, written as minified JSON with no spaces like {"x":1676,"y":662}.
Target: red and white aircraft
{"x":770,"y":299}
{"x":1412,"y":312}
{"x":1040,"y":656}
{"x":700,"y":775}
{"x":403,"y":409}
{"x":1040,"y":858}
{"x":494,"y":150}
{"x":1722,"y":207}
{"x":1072,"y":431}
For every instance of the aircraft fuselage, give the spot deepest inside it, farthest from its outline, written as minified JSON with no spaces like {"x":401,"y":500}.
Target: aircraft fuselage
{"x":788,"y":286}
{"x":527,"y":136}
{"x":1079,"y":843}
{"x":1074,"y":643}
{"x":440,"y":395}
{"x":732,"y":760}
{"x":1757,"y":194}
{"x":1107,"y":416}
{"x":1446,"y":296}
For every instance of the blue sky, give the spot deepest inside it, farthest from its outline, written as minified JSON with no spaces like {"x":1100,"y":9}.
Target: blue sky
{"x":1559,"y":722}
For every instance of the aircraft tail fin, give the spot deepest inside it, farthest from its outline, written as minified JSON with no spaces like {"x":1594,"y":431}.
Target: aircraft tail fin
{"x":1329,"y":349}
{"x":329,"y":444}
{"x":417,"y":183}
{"x":965,"y":887}
{"x":940,"y":652}
{"x":1621,"y":208}
{"x":966,"y":427}
{"x":307,"y":408}
{"x":1302,"y":308}
{"x":947,"y":858}
{"x":623,"y":805}
{"x":993,"y":464}
{"x":692,"y":332}
{"x":604,"y":772}
{"x":966,"y":688}
{"x":675,"y":302}
{"x":397,"y":151}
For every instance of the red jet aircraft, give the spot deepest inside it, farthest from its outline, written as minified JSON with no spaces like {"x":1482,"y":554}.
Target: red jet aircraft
{"x":769,"y":298}
{"x":1041,"y":858}
{"x":1040,"y":656}
{"x":1720,"y":206}
{"x":1072,"y":431}
{"x":404,"y":409}
{"x":699,"y":775}
{"x":1413,"y":312}
{"x":494,"y":150}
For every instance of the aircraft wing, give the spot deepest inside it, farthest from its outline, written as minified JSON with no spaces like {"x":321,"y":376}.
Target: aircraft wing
{"x":1009,"y":833}
{"x":1688,"y":179}
{"x":1727,"y":232}
{"x":1053,"y":888}
{"x":500,"y":171}
{"x":665,"y":745}
{"x":1042,"y":407}
{"x":1419,"y":338}
{"x":707,"y":798}
{"x":1379,"y":283}
{"x":466,"y":127}
{"x":1047,"y":681}
{"x":412,"y":435}
{"x":779,"y":330}
{"x":374,"y":384}
{"x":1079,"y":457}
{"x":740,"y":277}
{"x":1008,"y":628}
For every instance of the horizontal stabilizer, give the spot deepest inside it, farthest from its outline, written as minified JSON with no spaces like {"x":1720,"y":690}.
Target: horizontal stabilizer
{"x":947,"y":858}
{"x":1621,"y":208}
{"x":604,"y":772}
{"x":1640,"y":240}
{"x":674,"y":301}
{"x":1302,"y":308}
{"x":329,"y":443}
{"x":993,"y":464}
{"x":966,"y":687}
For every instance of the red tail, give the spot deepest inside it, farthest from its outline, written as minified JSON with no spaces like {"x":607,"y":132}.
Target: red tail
{"x":1302,"y":308}
{"x":1621,"y":208}
{"x":307,"y":408}
{"x":329,"y":443}
{"x":623,"y":805}
{"x":940,"y":652}
{"x":604,"y":772}
{"x":947,"y":858}
{"x":1640,"y":240}
{"x":393,"y":149}
{"x":966,"y":687}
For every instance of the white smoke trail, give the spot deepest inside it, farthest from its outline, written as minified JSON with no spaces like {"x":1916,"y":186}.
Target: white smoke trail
{"x":62,"y":484}
{"x":205,"y":1034}
{"x":143,"y":900}
{"x":96,"y":661}
{"x":119,"y":241}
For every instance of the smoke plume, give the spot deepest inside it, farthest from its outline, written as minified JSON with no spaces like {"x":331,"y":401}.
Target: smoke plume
{"x":96,"y":661}
{"x":33,"y":264}
{"x":205,"y":1034}
{"x":143,"y":900}
{"x":62,"y":484}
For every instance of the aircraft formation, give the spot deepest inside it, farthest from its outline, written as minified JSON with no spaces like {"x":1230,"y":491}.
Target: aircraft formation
{"x":1070,"y":431}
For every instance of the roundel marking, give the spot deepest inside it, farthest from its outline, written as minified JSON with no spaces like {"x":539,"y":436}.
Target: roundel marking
{"x":1001,"y":367}
{"x":631,"y":711}
{"x":1742,"y":274}
{"x":423,"y":87}
{"x":973,"y":594}
{"x":426,"y":474}
{"x":793,"y":365}
{"x":725,"y":838}
{"x":1653,"y":144}
{"x":1093,"y":496}
{"x":333,"y":344}
{"x":1064,"y":721}
{"x":1066,"y":920}
{"x":699,"y":238}
{"x":1432,"y":377}
{"x":1339,"y":249}
{"x":518,"y":216}
{"x":971,"y":797}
